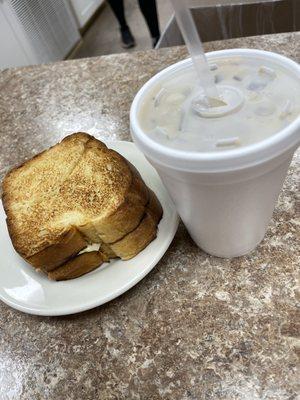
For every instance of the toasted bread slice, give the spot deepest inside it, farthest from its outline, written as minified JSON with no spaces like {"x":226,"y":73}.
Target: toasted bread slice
{"x":68,"y":245}
{"x":140,"y":237}
{"x":77,"y":266}
{"x":31,"y":190}
{"x":77,"y":183}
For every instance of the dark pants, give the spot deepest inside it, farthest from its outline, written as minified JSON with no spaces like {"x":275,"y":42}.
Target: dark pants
{"x":148,"y":8}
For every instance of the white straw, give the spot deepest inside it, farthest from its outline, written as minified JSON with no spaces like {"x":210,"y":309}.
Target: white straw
{"x":232,"y":141}
{"x":189,"y":32}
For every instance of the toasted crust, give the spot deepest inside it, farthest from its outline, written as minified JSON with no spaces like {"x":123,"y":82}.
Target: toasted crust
{"x":107,"y":251}
{"x":69,"y":244}
{"x":138,"y":239}
{"x":78,"y":266}
{"x":154,"y":207}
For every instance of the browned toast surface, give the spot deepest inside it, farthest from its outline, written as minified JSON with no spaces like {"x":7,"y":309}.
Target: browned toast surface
{"x":88,"y":186}
{"x":76,"y":193}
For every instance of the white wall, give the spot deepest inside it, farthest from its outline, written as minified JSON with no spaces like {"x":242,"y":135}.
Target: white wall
{"x":84,"y":9}
{"x":12,"y":52}
{"x":23,"y":39}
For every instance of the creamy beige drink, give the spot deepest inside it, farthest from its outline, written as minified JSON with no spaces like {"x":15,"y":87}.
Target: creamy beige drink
{"x":267,"y":101}
{"x":224,"y":165}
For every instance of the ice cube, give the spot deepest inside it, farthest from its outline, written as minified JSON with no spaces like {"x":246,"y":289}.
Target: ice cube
{"x":266,"y":71}
{"x":254,"y":96}
{"x":232,"y":141}
{"x":213,"y":67}
{"x":259,"y":81}
{"x":158,"y":97}
{"x":161,"y":130}
{"x":286,"y":109}
{"x":181,"y":121}
{"x":218,"y":78}
{"x":165,"y":132}
{"x":175,"y":98}
{"x":237,"y":78}
{"x":264,"y":109}
{"x":257,"y":85}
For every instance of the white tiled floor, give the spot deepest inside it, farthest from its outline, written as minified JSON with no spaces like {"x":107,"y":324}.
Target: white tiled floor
{"x":103,"y":36}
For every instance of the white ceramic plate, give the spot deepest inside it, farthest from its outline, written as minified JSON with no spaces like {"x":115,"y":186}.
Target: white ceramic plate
{"x":31,"y":292}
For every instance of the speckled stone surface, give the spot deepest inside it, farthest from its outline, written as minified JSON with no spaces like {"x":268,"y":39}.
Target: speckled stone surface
{"x":197,"y":327}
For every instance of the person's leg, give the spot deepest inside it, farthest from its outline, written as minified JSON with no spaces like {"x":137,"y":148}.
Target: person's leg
{"x":149,"y":10}
{"x":117,"y":7}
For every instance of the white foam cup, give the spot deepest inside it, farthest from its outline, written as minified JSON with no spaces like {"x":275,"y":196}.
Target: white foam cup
{"x":226,"y":198}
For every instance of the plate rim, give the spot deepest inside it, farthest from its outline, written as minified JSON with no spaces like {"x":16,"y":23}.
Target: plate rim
{"x":70,"y":310}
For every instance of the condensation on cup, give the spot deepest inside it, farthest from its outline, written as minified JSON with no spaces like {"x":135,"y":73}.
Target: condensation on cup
{"x":224,"y":170}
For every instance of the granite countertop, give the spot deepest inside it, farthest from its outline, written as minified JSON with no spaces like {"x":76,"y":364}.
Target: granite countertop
{"x":197,"y":327}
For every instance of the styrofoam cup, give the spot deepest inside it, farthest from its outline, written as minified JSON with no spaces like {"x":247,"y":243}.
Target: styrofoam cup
{"x":225,"y":199}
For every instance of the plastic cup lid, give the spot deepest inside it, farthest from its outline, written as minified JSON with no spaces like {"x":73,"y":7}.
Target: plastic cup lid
{"x":233,"y":159}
